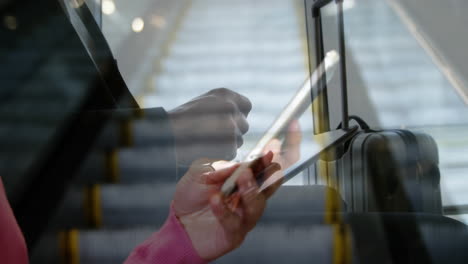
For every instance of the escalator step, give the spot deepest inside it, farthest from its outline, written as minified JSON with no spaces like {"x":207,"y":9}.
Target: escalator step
{"x":49,"y":250}
{"x":285,"y":242}
{"x":148,"y":205}
{"x":265,"y":244}
{"x":126,"y":166}
{"x":137,"y":129}
{"x":115,"y":206}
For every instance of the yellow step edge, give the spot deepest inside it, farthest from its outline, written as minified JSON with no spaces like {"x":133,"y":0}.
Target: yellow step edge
{"x":126,"y":133}
{"x":92,"y":206}
{"x":112,"y":166}
{"x":342,"y":247}
{"x":69,"y":245}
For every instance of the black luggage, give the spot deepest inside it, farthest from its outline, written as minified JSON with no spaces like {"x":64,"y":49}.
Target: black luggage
{"x":389,"y":171}
{"x":377,"y":171}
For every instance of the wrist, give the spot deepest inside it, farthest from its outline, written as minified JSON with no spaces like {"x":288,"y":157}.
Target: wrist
{"x":181,"y":227}
{"x":190,"y":227}
{"x":171,"y":244}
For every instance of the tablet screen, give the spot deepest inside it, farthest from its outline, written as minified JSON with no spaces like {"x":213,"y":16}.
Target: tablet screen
{"x":292,"y":152}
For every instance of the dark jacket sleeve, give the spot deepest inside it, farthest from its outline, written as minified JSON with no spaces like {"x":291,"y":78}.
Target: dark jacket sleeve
{"x":142,"y":138}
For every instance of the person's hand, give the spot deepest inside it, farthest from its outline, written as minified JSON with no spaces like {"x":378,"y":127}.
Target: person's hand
{"x":215,"y":225}
{"x":286,"y":153}
{"x":210,"y":126}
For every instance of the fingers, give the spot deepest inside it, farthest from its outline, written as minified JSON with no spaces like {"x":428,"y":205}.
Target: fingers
{"x":292,"y":144}
{"x":242,"y":123}
{"x":294,"y":135}
{"x":272,"y":184}
{"x":209,"y":171}
{"x":245,"y":106}
{"x":272,"y":180}
{"x":266,"y":169}
{"x":273,"y":146}
{"x":230,"y":221}
{"x":238,"y":135}
{"x":288,"y":152}
{"x":242,"y":102}
{"x":201,"y":166}
{"x":258,"y":165}
{"x":222,"y":164}
{"x":253,"y":201}
{"x":267,"y":158}
{"x":219,"y":176}
{"x":239,"y":117}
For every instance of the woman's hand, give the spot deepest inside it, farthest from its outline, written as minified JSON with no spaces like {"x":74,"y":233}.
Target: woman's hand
{"x":217,"y":225}
{"x":285,"y":153}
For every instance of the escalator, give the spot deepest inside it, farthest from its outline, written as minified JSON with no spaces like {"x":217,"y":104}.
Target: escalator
{"x":112,"y":195}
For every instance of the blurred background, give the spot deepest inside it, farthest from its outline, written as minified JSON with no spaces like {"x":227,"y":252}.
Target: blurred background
{"x":407,"y":68}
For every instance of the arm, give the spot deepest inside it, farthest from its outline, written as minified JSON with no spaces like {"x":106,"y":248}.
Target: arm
{"x":202,"y":226}
{"x":132,"y":132}
{"x":208,"y":126}
{"x":135,"y":128}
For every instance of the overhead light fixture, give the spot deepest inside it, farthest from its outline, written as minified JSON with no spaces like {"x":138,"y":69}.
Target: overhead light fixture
{"x":138,"y":24}
{"x":108,"y":7}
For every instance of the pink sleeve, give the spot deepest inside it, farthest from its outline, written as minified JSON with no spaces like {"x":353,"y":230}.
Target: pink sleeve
{"x":170,"y":245}
{"x":12,"y":245}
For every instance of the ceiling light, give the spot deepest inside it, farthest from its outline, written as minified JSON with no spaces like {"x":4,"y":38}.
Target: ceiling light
{"x":138,"y":24}
{"x":108,"y":7}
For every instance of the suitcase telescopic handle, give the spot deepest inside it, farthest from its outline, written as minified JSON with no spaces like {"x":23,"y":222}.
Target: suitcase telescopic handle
{"x":316,"y":7}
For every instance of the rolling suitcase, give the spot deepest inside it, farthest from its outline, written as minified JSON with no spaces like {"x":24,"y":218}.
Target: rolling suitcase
{"x":377,"y":170}
{"x":388,"y":178}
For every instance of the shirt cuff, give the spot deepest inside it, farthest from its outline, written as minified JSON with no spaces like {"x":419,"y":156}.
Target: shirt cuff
{"x":170,"y":245}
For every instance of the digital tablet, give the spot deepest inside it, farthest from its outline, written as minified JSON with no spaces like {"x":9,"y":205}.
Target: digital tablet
{"x":325,"y":141}
{"x":300,"y":102}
